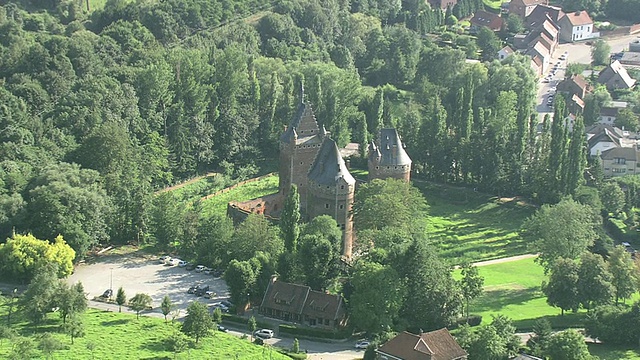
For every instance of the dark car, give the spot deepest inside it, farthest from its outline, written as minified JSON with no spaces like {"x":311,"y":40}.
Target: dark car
{"x":193,"y":289}
{"x":226,"y":303}
{"x":222,"y":328}
{"x":190,"y":267}
{"x":107,"y":293}
{"x":201,"y":290}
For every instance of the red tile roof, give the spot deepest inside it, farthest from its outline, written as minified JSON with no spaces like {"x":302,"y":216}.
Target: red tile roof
{"x":490,"y":20}
{"x":434,"y":345}
{"x":579,"y":18}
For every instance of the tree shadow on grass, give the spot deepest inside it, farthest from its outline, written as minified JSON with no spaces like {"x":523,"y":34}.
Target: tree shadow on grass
{"x":115,"y":322}
{"x":558,"y":321}
{"x":496,"y":300}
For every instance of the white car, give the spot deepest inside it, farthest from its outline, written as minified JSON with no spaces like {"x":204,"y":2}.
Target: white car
{"x":163,"y":259}
{"x":209,"y":295}
{"x":173,"y":262}
{"x":200,"y":268}
{"x":362,"y":344}
{"x":182,"y":263}
{"x":208,"y":271}
{"x":264,"y":333}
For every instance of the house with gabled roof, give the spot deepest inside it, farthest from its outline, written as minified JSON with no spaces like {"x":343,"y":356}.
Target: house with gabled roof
{"x":483,"y":18}
{"x":523,"y":8}
{"x":541,"y":13}
{"x":434,"y":345}
{"x":601,"y":137}
{"x":504,"y":53}
{"x":615,"y":76}
{"x":576,"y":87}
{"x":577,"y":26}
{"x":442,"y":4}
{"x":300,"y":304}
{"x":540,"y":51}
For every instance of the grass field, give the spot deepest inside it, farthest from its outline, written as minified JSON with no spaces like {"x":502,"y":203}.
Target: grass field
{"x":513,"y":289}
{"x":121,"y":336}
{"x":218,"y":204}
{"x":471,"y":226}
{"x":609,"y":352}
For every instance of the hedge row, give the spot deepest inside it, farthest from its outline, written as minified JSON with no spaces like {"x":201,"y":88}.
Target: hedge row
{"x":316,"y":333}
{"x":619,"y":230}
{"x":244,"y":321}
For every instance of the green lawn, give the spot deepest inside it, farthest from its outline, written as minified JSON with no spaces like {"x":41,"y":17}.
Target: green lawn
{"x":513,"y":289}
{"x":493,"y":4}
{"x":470,"y":226}
{"x":218,"y":204}
{"x":611,"y":352}
{"x":201,"y":188}
{"x":121,"y":336}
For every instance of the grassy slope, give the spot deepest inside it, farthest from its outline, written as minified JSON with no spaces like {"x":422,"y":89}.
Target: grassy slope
{"x":218,"y":204}
{"x":467,"y":225}
{"x":121,"y":336}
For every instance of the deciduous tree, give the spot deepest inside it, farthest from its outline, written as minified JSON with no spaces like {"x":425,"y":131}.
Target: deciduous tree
{"x":600,"y":51}
{"x":166,"y":306}
{"x":471,"y":284}
{"x":623,"y":273}
{"x":121,"y":298}
{"x":289,"y":220}
{"x":567,"y":345}
{"x":197,"y":323}
{"x":594,"y":281}
{"x":564,"y":230}
{"x":140,"y":302}
{"x":562,"y":288}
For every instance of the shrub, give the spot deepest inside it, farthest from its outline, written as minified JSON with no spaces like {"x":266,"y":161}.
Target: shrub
{"x":474,"y":320}
{"x":317,"y":333}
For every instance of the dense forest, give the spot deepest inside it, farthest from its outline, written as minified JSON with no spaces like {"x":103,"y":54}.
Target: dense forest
{"x":99,"y":109}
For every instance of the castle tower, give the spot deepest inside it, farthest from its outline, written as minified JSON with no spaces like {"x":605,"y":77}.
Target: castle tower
{"x":388,"y":159}
{"x":331,"y":191}
{"x":299,"y":145}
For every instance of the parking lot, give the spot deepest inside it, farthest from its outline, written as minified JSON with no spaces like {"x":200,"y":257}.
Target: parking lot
{"x":146,"y":275}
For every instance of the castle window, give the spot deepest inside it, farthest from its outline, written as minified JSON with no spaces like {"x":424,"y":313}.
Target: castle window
{"x":326,"y":206}
{"x":377,"y":167}
{"x":342,"y":226}
{"x":341,"y":206}
{"x":341,"y":187}
{"x":301,"y":163}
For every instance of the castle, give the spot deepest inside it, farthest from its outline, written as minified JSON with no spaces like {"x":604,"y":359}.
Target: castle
{"x":311,"y":160}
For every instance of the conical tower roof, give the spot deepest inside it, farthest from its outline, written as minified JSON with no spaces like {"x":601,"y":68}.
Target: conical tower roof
{"x":329,"y":167}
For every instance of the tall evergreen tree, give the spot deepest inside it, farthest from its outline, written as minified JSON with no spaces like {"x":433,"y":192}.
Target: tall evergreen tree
{"x":289,"y":221}
{"x":557,"y":152}
{"x":576,"y":156}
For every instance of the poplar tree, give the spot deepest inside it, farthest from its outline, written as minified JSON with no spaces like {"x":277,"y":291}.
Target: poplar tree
{"x":557,"y":152}
{"x":576,"y":156}
{"x":290,"y":219}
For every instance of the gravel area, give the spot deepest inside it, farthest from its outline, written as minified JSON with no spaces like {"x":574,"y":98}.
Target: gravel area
{"x":146,"y":275}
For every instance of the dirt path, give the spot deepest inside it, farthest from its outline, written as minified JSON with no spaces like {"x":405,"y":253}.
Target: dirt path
{"x":504,"y":260}
{"x":178,"y":186}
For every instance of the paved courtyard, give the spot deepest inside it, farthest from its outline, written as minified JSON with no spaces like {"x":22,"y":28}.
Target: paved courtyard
{"x":146,"y":275}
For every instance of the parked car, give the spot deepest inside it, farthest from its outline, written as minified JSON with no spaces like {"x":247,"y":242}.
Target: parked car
{"x":208,"y":271}
{"x":362,"y":344}
{"x":263,"y":333}
{"x":218,"y":272}
{"x":172,"y":262}
{"x":200,"y":268}
{"x":163,"y":259}
{"x":182,"y":263}
{"x":221,"y":306}
{"x":107,"y":293}
{"x":226,"y":303}
{"x":193,"y":289}
{"x":190,"y":267}
{"x":201,"y":290}
{"x":209,"y":295}
{"x":222,"y":328}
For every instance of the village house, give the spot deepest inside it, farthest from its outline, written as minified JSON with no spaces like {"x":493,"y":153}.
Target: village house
{"x":483,"y":18}
{"x":434,"y":345}
{"x":615,"y":76}
{"x":541,"y":13}
{"x":601,"y":137}
{"x":504,"y":53}
{"x":442,"y":4}
{"x":299,"y":304}
{"x":523,"y":8}
{"x":576,"y":87}
{"x":577,"y":26}
{"x":540,"y":51}
{"x":609,"y":113}
{"x":620,"y":161}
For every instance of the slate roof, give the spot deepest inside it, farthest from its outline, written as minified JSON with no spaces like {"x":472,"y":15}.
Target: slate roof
{"x":525,"y":357}
{"x":628,"y":153}
{"x":507,"y":50}
{"x":609,"y":111}
{"x":576,"y":85}
{"x":328,"y":166}
{"x":390,"y":151}
{"x":300,"y":299}
{"x":302,"y":125}
{"x":616,"y":76}
{"x":579,"y":18}
{"x":542,"y":12}
{"x":434,"y":345}
{"x":604,"y":136}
